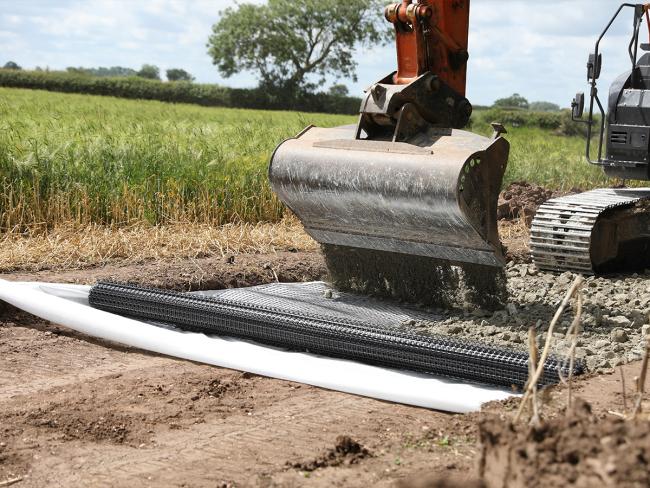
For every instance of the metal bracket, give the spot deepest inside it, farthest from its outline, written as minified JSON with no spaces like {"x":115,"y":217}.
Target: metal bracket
{"x":409,"y":123}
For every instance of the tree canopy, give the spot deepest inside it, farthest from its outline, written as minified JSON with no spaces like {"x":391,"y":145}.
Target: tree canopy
{"x":292,"y":45}
{"x":102,"y":71}
{"x":149,"y":71}
{"x":513,"y":101}
{"x":339,"y":90}
{"x":11,"y":65}
{"x":177,"y":74}
{"x":544,"y":107}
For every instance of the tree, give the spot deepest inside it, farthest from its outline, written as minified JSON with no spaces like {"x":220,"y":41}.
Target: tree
{"x":177,"y":74}
{"x":149,"y":71}
{"x":101,"y":72}
{"x":11,"y":65}
{"x":339,"y":90}
{"x":287,"y":43}
{"x":514,"y":101}
{"x":544,"y":107}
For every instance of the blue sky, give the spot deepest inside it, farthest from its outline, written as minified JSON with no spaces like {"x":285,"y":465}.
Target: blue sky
{"x":538,"y":49}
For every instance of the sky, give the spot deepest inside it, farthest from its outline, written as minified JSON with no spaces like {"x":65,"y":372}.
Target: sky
{"x":537,"y":49}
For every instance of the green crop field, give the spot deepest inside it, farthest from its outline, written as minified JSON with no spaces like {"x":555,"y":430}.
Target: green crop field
{"x":84,"y":159}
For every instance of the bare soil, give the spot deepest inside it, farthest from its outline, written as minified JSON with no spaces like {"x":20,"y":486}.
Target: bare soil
{"x":76,"y":411}
{"x":579,"y":448}
{"x":212,"y":273}
{"x":520,"y":200}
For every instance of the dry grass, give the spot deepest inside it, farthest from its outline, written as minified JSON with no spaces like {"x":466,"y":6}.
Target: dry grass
{"x":74,"y":247}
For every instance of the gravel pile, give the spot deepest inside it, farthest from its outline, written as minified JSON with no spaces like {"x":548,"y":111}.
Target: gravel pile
{"x":615,"y":316}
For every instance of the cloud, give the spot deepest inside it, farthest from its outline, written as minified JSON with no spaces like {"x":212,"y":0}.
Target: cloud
{"x":538,"y":49}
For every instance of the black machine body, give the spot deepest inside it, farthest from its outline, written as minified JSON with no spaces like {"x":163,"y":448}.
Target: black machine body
{"x":624,"y":137}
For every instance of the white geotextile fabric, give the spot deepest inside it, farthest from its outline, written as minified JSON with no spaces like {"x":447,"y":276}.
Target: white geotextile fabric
{"x":67,"y":305}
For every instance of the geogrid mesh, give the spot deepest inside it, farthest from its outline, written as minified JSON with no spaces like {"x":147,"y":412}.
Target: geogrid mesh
{"x":301,"y":319}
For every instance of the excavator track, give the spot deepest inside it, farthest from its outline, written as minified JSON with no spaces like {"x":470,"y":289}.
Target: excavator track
{"x":565,"y":234}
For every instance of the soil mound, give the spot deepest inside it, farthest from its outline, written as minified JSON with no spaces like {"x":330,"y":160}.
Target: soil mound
{"x":580,"y":450}
{"x":521,"y":200}
{"x":346,"y":451}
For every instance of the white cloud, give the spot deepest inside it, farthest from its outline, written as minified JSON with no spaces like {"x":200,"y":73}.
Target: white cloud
{"x":538,"y":49}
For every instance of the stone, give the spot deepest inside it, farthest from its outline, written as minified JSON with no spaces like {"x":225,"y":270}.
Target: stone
{"x":480,"y":313}
{"x":638,"y":318}
{"x":634,"y":356}
{"x":592,"y":362}
{"x":580,"y":352}
{"x":565,"y":278}
{"x":454,"y":330}
{"x":511,"y":308}
{"x":601,"y":344}
{"x":490,"y":330}
{"x":619,"y":335}
{"x":500,"y":316}
{"x":618,"y":321}
{"x":328,"y":293}
{"x":598,"y":316}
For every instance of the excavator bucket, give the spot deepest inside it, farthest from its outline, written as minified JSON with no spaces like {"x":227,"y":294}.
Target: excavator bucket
{"x":433,"y":196}
{"x":404,"y":204}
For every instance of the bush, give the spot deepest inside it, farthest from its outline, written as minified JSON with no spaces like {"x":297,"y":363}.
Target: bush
{"x":177,"y":92}
{"x":522,"y":118}
{"x":569,"y":127}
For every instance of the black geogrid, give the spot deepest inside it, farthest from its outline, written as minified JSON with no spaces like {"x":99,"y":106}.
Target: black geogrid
{"x":303,"y":327}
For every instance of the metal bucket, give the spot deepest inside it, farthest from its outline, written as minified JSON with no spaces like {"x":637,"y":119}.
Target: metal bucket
{"x":435,"y":196}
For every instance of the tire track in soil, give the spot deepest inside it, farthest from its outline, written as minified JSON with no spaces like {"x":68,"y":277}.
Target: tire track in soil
{"x":176,"y":425}
{"x":51,"y":360}
{"x":184,"y":440}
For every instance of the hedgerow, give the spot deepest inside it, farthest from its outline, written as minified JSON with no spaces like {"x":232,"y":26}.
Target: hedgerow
{"x":177,"y":92}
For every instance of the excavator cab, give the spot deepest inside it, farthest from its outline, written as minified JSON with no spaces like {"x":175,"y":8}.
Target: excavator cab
{"x":406,"y":185}
{"x":624,"y":136}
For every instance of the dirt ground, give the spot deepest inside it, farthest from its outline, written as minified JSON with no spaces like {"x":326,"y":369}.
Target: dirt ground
{"x":75,"y":411}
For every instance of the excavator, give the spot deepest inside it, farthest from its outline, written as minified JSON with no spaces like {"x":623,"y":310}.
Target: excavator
{"x":404,"y":199}
{"x":400,"y":197}
{"x":608,"y":229}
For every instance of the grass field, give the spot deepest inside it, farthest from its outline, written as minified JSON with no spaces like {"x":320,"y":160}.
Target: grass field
{"x":84,"y":160}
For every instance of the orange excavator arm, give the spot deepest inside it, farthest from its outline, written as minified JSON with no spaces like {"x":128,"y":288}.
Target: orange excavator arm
{"x":431,"y":36}
{"x":428,"y":88}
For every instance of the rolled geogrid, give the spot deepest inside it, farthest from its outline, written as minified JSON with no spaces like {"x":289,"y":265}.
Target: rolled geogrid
{"x":325,"y":335}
